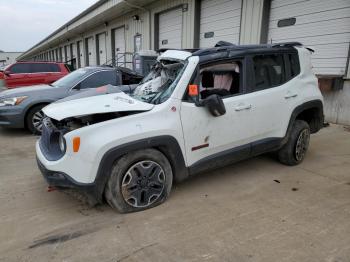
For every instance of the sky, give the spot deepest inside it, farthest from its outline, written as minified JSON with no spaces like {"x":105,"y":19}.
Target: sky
{"x":23,"y":23}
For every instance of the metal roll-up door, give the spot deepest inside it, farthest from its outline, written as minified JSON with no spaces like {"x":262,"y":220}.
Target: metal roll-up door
{"x":170,"y":29}
{"x":322,"y":25}
{"x":220,"y":20}
{"x":102,"y":49}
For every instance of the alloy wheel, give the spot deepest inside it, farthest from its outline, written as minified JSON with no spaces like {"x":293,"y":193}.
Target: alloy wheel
{"x":302,"y":144}
{"x":143,"y":184}
{"x":37,"y":120}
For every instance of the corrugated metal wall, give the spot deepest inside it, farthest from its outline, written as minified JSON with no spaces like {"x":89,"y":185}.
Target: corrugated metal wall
{"x":321,"y":24}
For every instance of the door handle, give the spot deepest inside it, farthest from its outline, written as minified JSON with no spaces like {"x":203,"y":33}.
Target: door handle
{"x":243,"y":107}
{"x":290,"y":95}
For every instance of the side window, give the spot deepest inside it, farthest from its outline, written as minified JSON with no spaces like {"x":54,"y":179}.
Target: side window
{"x":223,"y":79}
{"x":269,"y":71}
{"x":294,"y":64}
{"x":20,"y":69}
{"x":99,"y":79}
{"x":39,"y":68}
{"x":128,"y":79}
{"x":54,"y":68}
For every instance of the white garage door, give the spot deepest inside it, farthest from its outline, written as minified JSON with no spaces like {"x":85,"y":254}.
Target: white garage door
{"x":81,"y":61}
{"x":68,"y":53}
{"x":119,"y":46}
{"x":220,"y":20}
{"x":91,"y":57}
{"x":320,"y":24}
{"x":74,"y":51}
{"x":102,"y":49}
{"x":170,"y":29}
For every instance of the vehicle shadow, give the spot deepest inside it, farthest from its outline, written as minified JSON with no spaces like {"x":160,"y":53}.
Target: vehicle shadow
{"x":14,"y":132}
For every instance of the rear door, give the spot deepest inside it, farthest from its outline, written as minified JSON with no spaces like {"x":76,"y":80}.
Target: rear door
{"x":39,"y":73}
{"x":269,"y":94}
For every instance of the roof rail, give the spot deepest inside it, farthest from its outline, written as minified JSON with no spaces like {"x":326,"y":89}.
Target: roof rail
{"x":191,"y":50}
{"x":287,"y":44}
{"x":223,"y":43}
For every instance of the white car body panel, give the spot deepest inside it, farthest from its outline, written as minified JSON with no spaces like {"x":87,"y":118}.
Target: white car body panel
{"x":175,"y":54}
{"x":116,"y":102}
{"x":267,"y":116}
{"x":97,"y":139}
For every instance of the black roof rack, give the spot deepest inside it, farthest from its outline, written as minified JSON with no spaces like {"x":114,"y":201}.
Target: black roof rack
{"x":191,"y":50}
{"x":223,"y":46}
{"x":287,"y":44}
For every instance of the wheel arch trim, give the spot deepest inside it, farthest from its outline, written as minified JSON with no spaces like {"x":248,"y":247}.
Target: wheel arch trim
{"x":168,"y":145}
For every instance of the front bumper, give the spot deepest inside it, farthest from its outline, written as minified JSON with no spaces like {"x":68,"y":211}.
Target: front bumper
{"x":11,"y":117}
{"x":62,"y":181}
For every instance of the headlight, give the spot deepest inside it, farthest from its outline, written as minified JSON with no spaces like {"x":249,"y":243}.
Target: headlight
{"x":12,"y":101}
{"x":62,"y":143}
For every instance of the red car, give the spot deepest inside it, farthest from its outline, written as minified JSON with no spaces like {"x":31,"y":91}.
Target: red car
{"x":23,"y":74}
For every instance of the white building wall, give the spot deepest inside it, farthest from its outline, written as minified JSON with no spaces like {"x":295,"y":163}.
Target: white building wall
{"x":7,"y":58}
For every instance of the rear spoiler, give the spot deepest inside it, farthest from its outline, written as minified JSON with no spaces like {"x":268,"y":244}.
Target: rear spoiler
{"x":291,"y":44}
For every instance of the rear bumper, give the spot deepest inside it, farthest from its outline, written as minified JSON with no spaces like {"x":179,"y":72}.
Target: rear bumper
{"x":11,"y":117}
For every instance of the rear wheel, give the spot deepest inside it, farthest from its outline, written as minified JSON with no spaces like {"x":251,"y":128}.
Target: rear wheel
{"x":138,"y":181}
{"x":294,"y":151}
{"x":34,"y":119}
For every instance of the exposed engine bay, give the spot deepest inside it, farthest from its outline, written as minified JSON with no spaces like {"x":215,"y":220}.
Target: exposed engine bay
{"x":73,"y":123}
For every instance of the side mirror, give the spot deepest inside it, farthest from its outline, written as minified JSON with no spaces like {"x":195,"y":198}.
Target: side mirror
{"x":7,"y":73}
{"x":214,"y":104}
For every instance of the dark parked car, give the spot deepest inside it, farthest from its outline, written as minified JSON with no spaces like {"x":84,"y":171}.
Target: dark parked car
{"x":22,"y":74}
{"x":21,"y":107}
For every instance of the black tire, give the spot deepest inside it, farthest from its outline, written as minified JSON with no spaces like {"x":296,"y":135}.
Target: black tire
{"x":30,"y":124}
{"x":293,"y":152}
{"x":139,"y":180}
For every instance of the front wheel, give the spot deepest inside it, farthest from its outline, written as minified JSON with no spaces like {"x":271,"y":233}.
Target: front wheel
{"x":138,"y":181}
{"x":34,"y":119}
{"x":294,"y":151}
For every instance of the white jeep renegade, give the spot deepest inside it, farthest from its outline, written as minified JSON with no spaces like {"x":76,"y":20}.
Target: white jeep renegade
{"x":195,"y":111}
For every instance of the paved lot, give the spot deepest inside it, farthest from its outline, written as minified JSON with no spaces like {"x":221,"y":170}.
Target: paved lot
{"x":257,"y":210}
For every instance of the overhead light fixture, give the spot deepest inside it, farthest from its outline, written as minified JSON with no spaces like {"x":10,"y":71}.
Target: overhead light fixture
{"x":135,"y":17}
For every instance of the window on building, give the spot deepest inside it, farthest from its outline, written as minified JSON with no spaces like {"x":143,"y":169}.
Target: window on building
{"x":269,"y":71}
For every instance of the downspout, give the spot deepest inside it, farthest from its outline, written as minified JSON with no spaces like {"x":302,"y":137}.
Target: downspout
{"x":149,"y":19}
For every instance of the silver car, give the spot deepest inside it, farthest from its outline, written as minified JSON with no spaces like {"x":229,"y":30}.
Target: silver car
{"x":22,"y":107}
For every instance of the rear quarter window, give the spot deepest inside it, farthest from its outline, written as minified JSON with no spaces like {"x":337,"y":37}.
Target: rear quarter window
{"x":269,"y":71}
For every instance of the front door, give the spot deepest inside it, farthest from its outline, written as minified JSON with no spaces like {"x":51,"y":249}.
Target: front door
{"x":225,"y":138}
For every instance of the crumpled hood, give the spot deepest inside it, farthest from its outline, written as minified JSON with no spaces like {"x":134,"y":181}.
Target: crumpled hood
{"x":108,"y":103}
